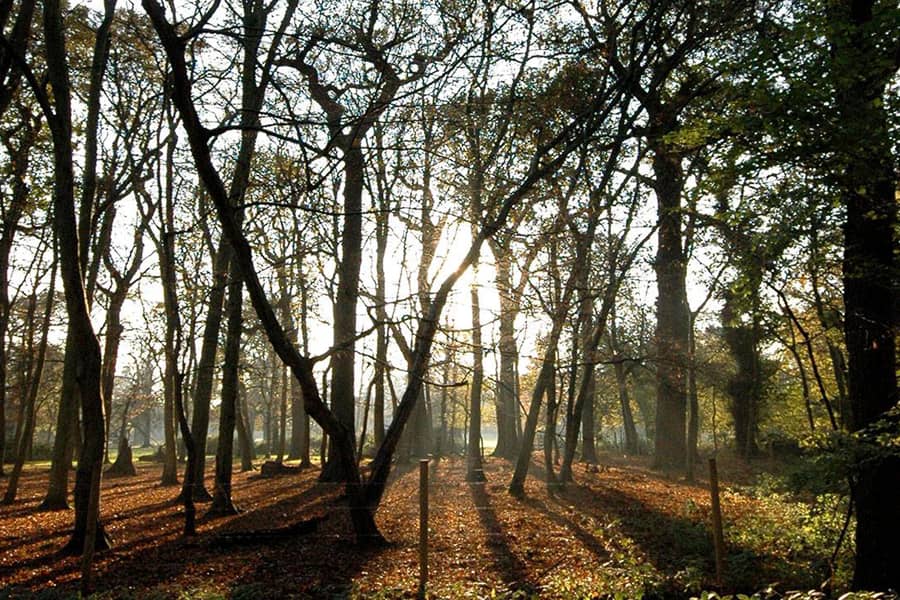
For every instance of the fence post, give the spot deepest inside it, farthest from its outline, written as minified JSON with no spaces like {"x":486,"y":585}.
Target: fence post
{"x":718,"y":536}
{"x":423,"y":526}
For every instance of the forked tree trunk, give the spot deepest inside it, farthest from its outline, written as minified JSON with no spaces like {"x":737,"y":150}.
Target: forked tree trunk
{"x":88,"y":533}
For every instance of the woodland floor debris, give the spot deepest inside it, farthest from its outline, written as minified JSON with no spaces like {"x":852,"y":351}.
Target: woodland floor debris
{"x":621,"y":529}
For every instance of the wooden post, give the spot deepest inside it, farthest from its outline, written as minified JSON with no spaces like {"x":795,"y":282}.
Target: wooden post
{"x":423,"y":526}
{"x":718,"y":537}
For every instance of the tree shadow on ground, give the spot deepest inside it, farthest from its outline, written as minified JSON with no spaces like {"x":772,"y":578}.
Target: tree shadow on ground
{"x":677,"y":541}
{"x":226,"y":555}
{"x":512,"y":570}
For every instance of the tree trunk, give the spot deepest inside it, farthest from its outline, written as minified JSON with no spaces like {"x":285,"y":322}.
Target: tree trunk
{"x":282,"y":417}
{"x":547,"y":373}
{"x":551,"y":411}
{"x":222,"y":503}
{"x":170,"y":382}
{"x":507,"y":386}
{"x":672,"y":314}
{"x":381,"y":340}
{"x":343,"y":361}
{"x":57,"y":497}
{"x":244,"y":434}
{"x":867,"y":179}
{"x":586,"y":314}
{"x":30,"y":416}
{"x":693,"y":431}
{"x":114,"y":330}
{"x":474,"y":467}
{"x":745,"y":385}
{"x":84,"y":343}
{"x":206,"y":367}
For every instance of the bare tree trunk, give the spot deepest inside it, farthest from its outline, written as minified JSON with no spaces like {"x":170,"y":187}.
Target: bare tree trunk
{"x":474,"y":466}
{"x":550,"y":432}
{"x":222,"y":503}
{"x":586,"y":314}
{"x":245,"y":436}
{"x":343,"y":361}
{"x":206,"y":367}
{"x":672,"y":314}
{"x":507,"y":386}
{"x":88,"y":533}
{"x":30,"y":416}
{"x":547,"y":373}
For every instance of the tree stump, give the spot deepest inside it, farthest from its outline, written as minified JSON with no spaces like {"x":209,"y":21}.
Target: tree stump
{"x":124,"y":465}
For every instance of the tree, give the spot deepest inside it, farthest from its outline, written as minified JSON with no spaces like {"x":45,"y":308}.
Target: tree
{"x":865,"y":56}
{"x":35,"y":371}
{"x":88,"y":533}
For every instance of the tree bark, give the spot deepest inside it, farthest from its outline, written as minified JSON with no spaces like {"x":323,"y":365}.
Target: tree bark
{"x":867,"y":179}
{"x":245,"y":436}
{"x":84,"y":343}
{"x":474,"y":466}
{"x":343,"y":361}
{"x":222,"y":503}
{"x":206,"y":366}
{"x":672,"y":313}
{"x":508,"y":385}
{"x":586,"y":314}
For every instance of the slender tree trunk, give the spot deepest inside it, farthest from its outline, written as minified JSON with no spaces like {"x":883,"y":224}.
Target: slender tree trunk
{"x":517,"y":484}
{"x":206,"y":367}
{"x":381,"y":340}
{"x":170,"y":456}
{"x":282,"y":417}
{"x":547,"y":373}
{"x":586,"y":314}
{"x":34,"y":384}
{"x":552,"y":411}
{"x":245,"y":437}
{"x":474,"y":466}
{"x":114,"y":330}
{"x":584,"y":384}
{"x":693,"y":431}
{"x":88,"y":533}
{"x":222,"y":503}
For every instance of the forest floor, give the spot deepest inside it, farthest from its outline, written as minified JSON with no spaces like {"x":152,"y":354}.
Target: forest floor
{"x":622,"y":531}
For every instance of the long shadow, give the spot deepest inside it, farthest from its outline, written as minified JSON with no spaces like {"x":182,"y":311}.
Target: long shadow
{"x":587,"y":539}
{"x":320,"y":562}
{"x":512,"y":569}
{"x":675,"y":543}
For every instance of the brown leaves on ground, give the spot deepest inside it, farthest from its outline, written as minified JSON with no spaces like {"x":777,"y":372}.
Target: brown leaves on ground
{"x":621,"y":529}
